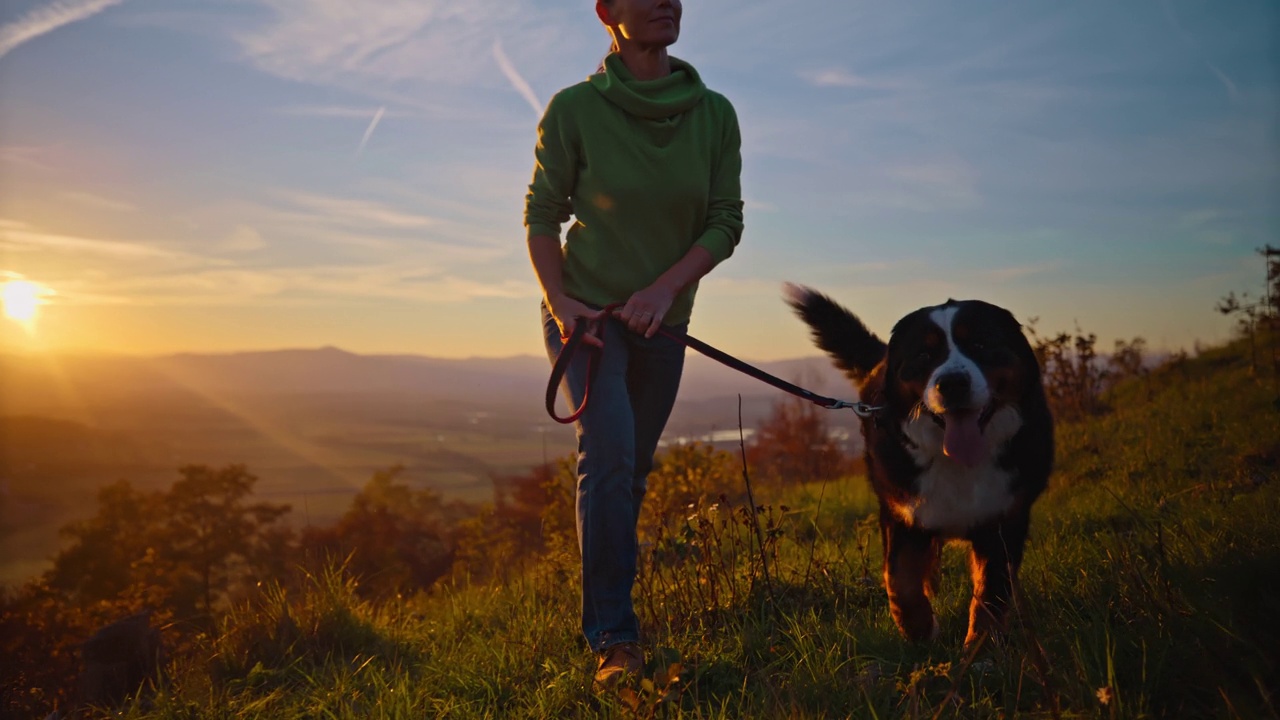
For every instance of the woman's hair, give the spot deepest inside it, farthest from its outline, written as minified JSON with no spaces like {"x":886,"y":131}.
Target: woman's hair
{"x":613,"y":46}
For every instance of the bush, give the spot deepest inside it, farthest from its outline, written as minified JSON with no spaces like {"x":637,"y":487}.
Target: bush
{"x":394,"y":539}
{"x":795,"y":444}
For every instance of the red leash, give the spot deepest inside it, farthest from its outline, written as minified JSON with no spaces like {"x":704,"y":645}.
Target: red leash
{"x":581,"y":328}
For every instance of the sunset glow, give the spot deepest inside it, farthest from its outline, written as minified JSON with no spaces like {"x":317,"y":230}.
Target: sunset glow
{"x":21,"y":299}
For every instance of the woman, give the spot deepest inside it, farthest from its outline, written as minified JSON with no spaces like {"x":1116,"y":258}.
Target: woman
{"x":647,"y":160}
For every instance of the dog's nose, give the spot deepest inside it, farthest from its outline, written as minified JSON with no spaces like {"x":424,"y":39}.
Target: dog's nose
{"x":953,"y":387}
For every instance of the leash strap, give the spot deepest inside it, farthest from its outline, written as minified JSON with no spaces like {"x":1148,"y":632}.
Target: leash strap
{"x":725,"y":358}
{"x":580,"y":328}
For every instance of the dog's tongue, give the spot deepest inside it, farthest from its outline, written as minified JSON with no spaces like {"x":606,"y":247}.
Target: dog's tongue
{"x":962,"y":438}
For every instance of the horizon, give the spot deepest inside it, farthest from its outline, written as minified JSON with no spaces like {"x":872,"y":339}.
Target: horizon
{"x":1150,"y":354}
{"x":273,"y":175}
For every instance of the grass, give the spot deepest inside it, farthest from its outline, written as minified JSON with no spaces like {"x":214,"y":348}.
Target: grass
{"x":1147,"y":592}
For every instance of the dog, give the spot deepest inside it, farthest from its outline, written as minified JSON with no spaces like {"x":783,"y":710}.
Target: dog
{"x":959,"y":449}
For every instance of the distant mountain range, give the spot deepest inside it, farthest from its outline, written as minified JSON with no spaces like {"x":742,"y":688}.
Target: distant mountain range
{"x":331,"y":407}
{"x":56,"y":385}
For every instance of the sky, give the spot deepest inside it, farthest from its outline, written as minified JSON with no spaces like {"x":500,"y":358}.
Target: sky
{"x":229,"y":175}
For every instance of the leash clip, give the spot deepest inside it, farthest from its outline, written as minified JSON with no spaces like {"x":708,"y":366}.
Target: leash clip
{"x":861,"y":409}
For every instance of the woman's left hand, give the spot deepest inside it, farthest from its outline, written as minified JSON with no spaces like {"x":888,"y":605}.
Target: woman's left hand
{"x":644,"y":311}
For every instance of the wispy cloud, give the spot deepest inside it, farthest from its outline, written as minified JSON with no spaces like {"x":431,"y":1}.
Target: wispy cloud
{"x":513,"y":76}
{"x":368,"y":133}
{"x":339,"y":111}
{"x":27,"y":156}
{"x":841,"y":78}
{"x":1018,"y":272}
{"x":48,"y":18}
{"x":871,"y":266}
{"x":243,"y":239}
{"x":198,"y":287}
{"x":1218,"y":238}
{"x":388,"y":41}
{"x":929,"y":185}
{"x":1200,"y":218}
{"x":314,"y":39}
{"x":429,"y":57}
{"x":294,"y":286}
{"x":368,"y":228}
{"x":98,"y":202}
{"x":17,"y":236}
{"x":357,"y":213}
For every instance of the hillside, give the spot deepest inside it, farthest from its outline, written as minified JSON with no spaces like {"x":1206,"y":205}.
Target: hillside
{"x":1147,"y":592}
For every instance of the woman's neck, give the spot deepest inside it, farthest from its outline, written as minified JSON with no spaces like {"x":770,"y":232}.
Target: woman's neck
{"x":646,"y":63}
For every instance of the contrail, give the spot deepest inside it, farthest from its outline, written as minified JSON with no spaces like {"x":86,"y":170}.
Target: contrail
{"x":1232,"y":91}
{"x":39,"y":21}
{"x":522,"y":87}
{"x":377,"y":117}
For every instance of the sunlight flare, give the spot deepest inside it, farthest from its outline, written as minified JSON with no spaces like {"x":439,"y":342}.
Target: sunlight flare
{"x":22,"y":300}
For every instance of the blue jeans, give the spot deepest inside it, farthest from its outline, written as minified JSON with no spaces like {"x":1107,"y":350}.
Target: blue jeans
{"x":632,"y":393}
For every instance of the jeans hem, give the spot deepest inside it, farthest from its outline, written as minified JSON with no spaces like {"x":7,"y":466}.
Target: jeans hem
{"x":603,"y":646}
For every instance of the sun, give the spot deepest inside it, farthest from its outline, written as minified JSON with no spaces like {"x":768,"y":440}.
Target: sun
{"x":22,"y":300}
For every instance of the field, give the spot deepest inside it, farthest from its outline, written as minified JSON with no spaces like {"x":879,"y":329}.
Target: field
{"x":1148,"y":591}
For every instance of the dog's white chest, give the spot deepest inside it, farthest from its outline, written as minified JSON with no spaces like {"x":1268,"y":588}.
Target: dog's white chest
{"x":952,"y":497}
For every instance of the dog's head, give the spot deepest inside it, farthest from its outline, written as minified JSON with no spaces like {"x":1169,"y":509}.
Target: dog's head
{"x":953,"y":366}
{"x":960,"y":362}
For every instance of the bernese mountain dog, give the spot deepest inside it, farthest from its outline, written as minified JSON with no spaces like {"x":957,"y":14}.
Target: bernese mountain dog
{"x":961,"y":446}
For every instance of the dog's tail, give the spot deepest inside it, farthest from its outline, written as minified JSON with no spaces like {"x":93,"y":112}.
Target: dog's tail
{"x":855,"y":349}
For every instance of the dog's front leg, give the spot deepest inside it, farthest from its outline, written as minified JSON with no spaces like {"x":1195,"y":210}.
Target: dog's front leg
{"x":910,"y":559}
{"x":994,"y":559}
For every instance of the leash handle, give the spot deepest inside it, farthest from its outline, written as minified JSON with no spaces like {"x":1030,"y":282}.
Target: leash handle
{"x":581,"y":327}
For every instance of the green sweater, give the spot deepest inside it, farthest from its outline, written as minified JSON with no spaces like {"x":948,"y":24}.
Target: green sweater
{"x":648,"y":169}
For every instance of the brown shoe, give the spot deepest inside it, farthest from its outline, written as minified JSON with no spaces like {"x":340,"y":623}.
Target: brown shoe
{"x":619,"y":661}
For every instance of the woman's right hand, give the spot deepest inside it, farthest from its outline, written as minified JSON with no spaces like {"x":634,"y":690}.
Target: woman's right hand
{"x":567,"y":312}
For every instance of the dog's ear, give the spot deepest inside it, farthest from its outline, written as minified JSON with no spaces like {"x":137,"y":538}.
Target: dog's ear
{"x":838,"y":332}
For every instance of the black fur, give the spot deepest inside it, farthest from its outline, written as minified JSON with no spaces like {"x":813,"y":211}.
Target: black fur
{"x":855,"y":349}
{"x":896,"y":376}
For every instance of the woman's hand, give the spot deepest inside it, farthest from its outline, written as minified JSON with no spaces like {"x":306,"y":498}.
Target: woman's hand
{"x":567,"y":311}
{"x":645,"y":310}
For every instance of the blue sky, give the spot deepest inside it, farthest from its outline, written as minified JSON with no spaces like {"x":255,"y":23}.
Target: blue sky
{"x":218,"y":175}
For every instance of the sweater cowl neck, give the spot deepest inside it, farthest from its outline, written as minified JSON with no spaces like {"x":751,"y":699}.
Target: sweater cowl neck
{"x":650,"y":99}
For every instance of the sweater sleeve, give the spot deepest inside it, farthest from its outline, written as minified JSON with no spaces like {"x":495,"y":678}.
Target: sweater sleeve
{"x":724,"y":212}
{"x":547,"y":204}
